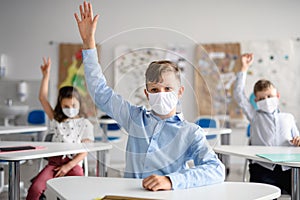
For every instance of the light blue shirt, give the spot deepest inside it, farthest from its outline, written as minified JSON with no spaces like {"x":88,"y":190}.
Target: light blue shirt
{"x":155,"y":145}
{"x":267,"y":129}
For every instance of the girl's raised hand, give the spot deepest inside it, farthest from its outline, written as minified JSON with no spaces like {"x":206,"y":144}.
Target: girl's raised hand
{"x":87,"y":25}
{"x":45,"y":68}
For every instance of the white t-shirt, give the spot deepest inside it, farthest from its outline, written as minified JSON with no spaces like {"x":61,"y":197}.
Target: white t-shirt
{"x":72,"y":130}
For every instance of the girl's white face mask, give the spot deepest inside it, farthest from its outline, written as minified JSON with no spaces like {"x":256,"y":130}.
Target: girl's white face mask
{"x":163,"y":103}
{"x":70,"y":112}
{"x":268,"y":105}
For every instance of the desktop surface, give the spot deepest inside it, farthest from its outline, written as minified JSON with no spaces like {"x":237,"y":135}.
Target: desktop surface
{"x":99,"y":187}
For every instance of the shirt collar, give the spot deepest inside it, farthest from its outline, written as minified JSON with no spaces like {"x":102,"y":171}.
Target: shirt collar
{"x":274,"y":113}
{"x":176,"y":117}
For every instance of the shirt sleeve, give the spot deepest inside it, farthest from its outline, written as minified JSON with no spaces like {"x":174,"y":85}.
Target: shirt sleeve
{"x":208,"y":168}
{"x":104,"y":97}
{"x":295,"y":130}
{"x":88,"y":130}
{"x":240,"y":96}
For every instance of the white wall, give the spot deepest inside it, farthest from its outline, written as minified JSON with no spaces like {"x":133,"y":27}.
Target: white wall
{"x":26,"y":27}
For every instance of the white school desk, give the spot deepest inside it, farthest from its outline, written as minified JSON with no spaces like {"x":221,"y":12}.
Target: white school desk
{"x":21,"y":129}
{"x":5,"y":130}
{"x":50,"y":149}
{"x":89,"y":188}
{"x":249,"y":152}
{"x":217,"y":131}
{"x":208,"y":131}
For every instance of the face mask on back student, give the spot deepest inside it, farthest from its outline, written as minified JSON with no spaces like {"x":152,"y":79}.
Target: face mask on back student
{"x":163,"y":88}
{"x":266,"y":96}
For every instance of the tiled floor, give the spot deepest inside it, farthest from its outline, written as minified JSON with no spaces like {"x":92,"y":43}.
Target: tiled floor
{"x":29,"y":170}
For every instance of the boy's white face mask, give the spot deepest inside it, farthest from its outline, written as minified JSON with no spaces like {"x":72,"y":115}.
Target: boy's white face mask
{"x":163,"y":102}
{"x":70,"y":112}
{"x":268,"y":105}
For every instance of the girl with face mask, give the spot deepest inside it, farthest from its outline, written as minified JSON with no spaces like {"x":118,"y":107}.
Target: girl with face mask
{"x":67,"y":126}
{"x":269,"y":127}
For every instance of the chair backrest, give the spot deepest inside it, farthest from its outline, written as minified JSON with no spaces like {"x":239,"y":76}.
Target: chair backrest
{"x":48,"y":137}
{"x":252,"y":101}
{"x":248,"y":130}
{"x":110,"y":127}
{"x":36,"y":117}
{"x":208,"y":122}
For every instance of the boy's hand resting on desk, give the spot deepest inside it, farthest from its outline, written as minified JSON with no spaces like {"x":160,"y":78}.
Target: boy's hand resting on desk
{"x":296,"y":141}
{"x":156,"y":182}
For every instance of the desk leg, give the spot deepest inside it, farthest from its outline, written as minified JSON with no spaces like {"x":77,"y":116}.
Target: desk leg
{"x":102,"y":163}
{"x":295,"y":183}
{"x":225,"y":140}
{"x":105,"y":136}
{"x":14,"y":180}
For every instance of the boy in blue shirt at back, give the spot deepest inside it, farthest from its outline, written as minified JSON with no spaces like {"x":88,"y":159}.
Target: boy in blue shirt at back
{"x":160,"y":141}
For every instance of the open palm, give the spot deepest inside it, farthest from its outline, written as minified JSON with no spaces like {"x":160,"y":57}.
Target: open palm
{"x":87,"y":24}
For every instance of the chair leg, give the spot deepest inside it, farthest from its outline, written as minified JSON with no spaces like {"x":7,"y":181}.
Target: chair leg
{"x":1,"y":179}
{"x":245,"y":171}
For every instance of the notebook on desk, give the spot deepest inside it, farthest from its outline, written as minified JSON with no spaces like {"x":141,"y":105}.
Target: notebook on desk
{"x":281,"y":157}
{"x":16,"y":148}
{"x":114,"y":197}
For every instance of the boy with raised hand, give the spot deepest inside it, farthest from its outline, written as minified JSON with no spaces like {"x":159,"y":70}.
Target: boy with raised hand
{"x":269,"y":127}
{"x":160,"y":141}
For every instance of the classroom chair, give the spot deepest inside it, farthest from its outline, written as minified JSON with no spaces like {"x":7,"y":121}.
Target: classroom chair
{"x":109,"y":127}
{"x":36,"y":117}
{"x":208,"y":122}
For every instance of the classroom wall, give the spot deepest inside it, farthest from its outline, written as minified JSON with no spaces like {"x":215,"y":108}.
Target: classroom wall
{"x":33,"y":28}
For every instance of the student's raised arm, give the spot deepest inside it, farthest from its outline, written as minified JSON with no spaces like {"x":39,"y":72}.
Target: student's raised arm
{"x":87,"y":25}
{"x":43,"y":95}
{"x":247,"y":60}
{"x":239,"y":89}
{"x":103,"y":96}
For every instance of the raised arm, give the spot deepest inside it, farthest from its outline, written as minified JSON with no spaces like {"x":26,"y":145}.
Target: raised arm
{"x":43,"y":96}
{"x":239,"y":89}
{"x":87,"y":25}
{"x":103,"y":96}
{"x":247,"y":60}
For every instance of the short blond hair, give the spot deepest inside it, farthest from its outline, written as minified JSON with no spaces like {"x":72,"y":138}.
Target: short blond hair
{"x":157,"y":68}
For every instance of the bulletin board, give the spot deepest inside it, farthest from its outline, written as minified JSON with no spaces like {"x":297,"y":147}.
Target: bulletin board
{"x":216,"y":65}
{"x":71,"y":73}
{"x":275,"y":60}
